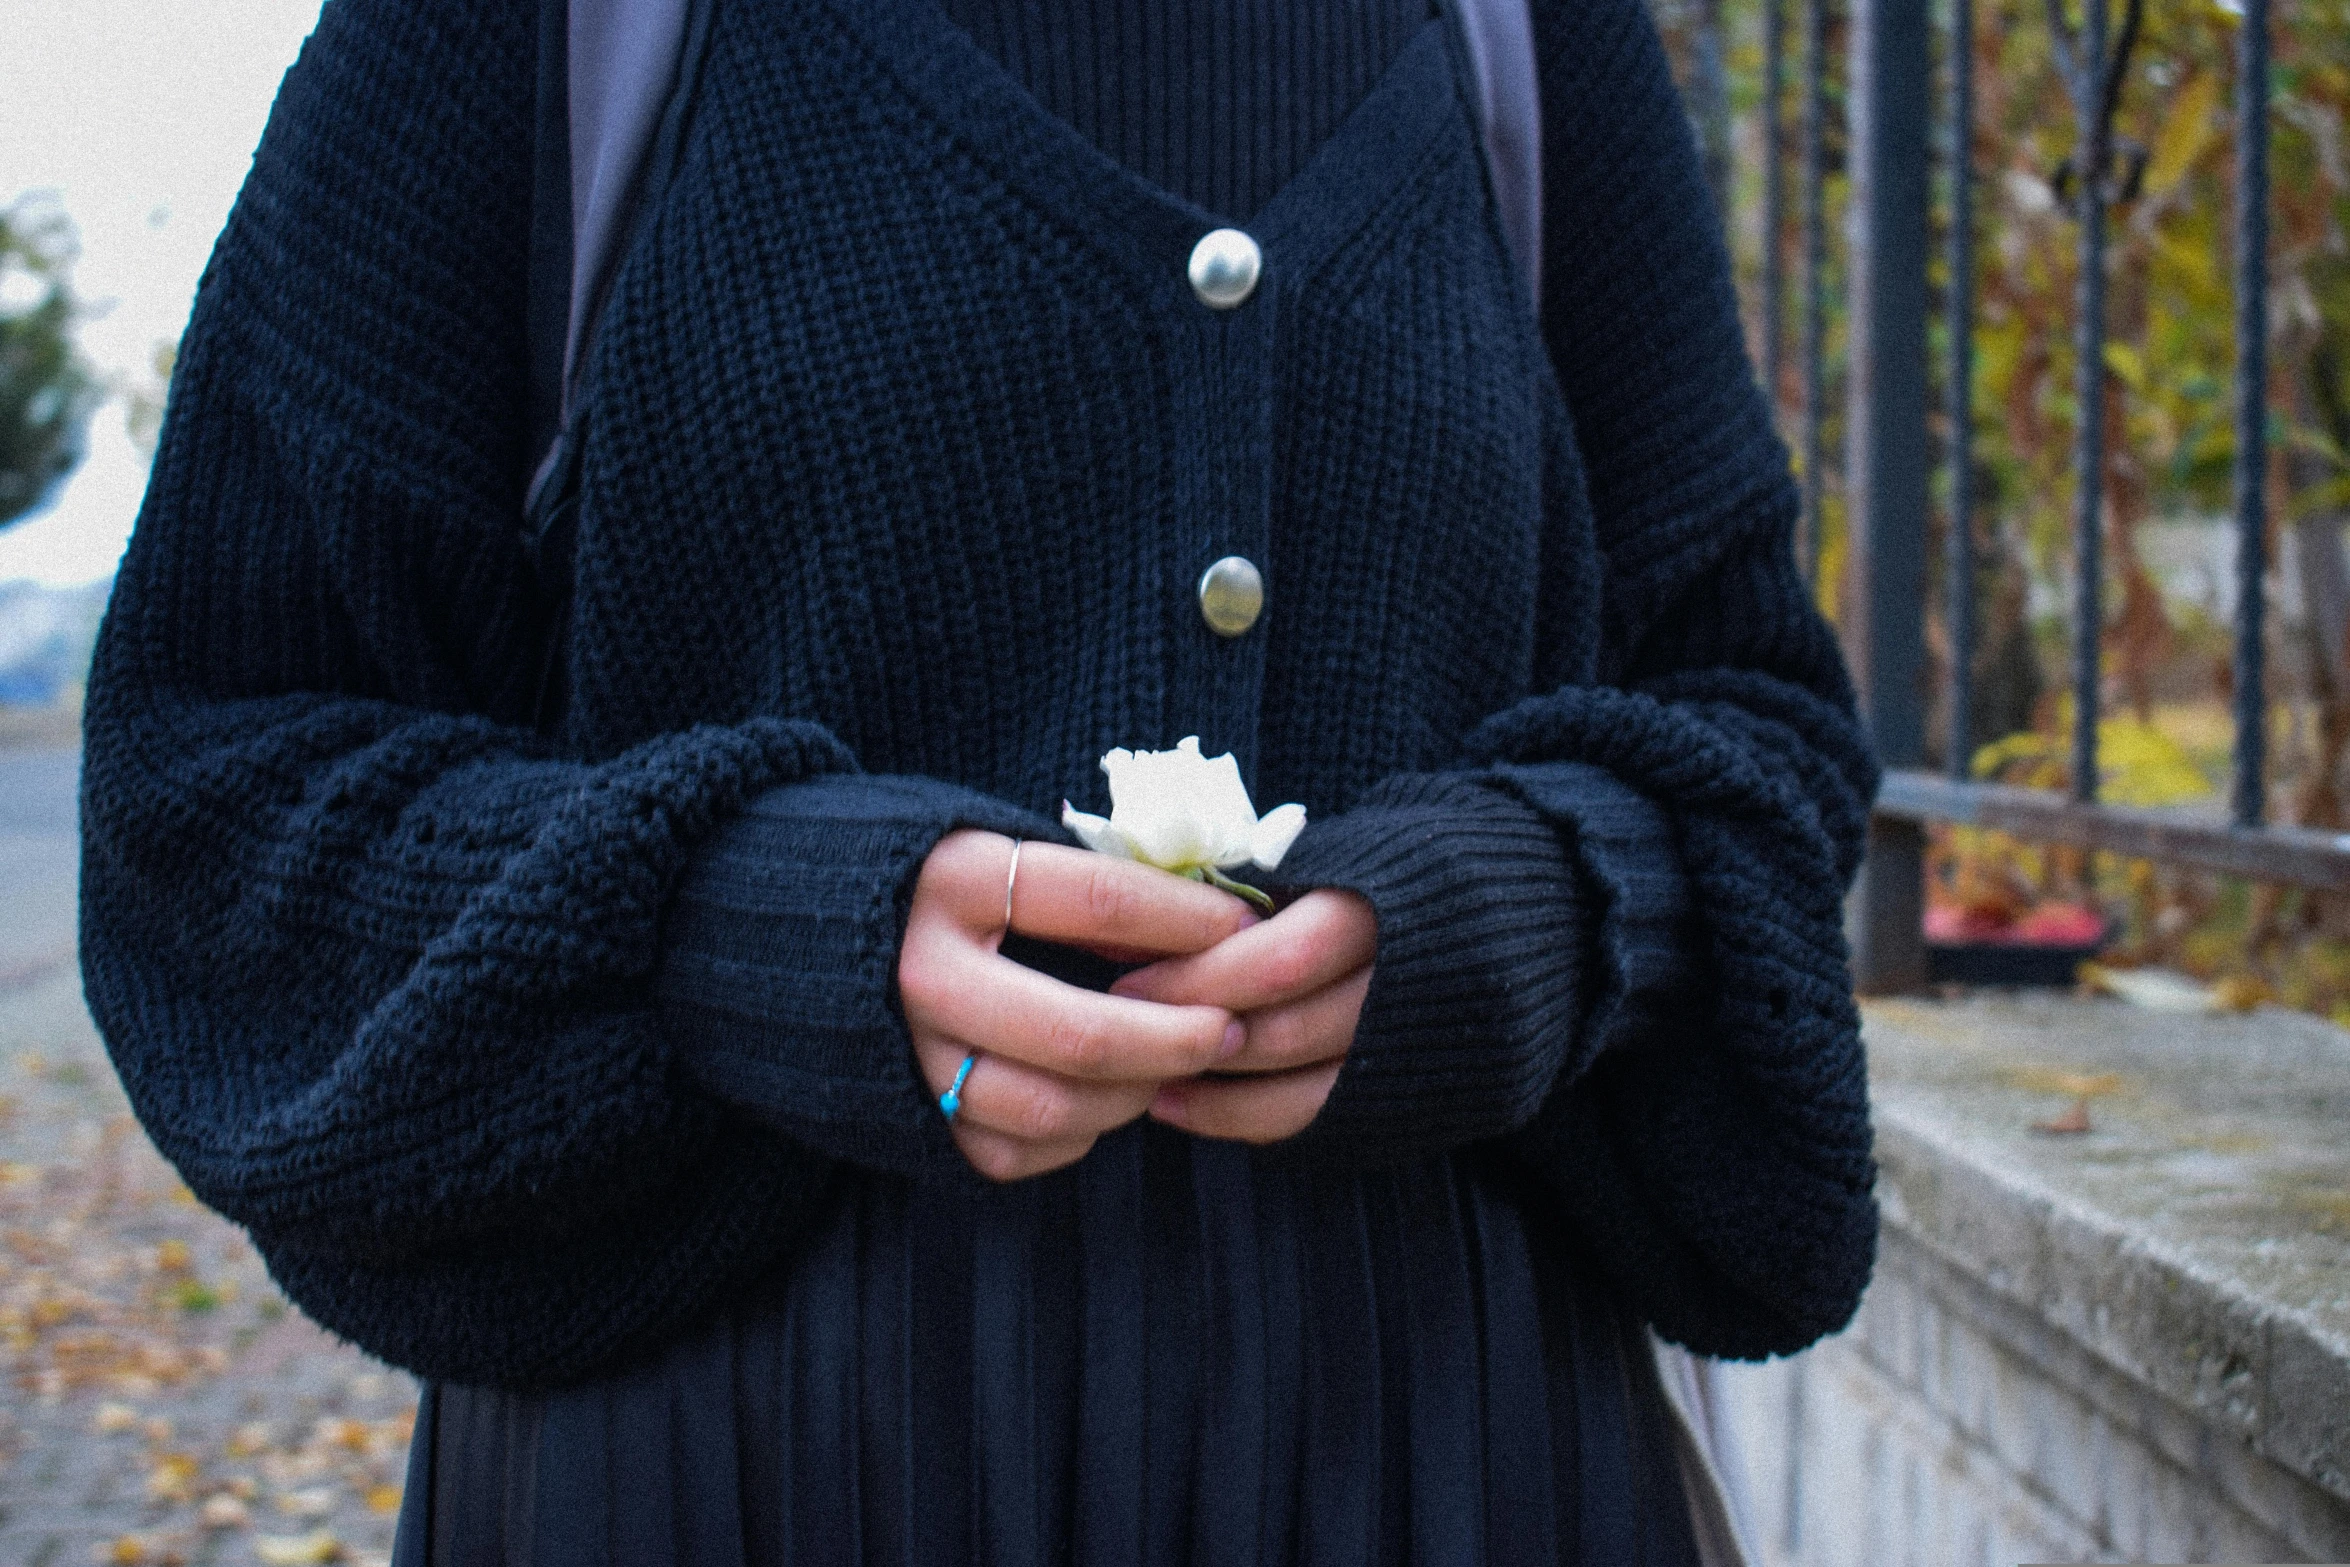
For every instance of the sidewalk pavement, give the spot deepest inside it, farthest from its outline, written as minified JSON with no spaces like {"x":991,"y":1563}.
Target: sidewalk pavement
{"x":160,"y":1402}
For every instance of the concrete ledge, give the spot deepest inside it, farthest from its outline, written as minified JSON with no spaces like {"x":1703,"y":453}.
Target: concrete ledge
{"x":2128,"y":1344}
{"x":2197,"y":1238}
{"x":1955,"y":1427}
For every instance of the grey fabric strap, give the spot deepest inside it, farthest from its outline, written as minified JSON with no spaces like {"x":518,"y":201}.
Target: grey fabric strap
{"x":623,"y":67}
{"x":1499,"y":35}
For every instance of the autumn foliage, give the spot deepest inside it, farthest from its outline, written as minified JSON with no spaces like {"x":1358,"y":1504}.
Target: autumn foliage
{"x":2165,"y":642}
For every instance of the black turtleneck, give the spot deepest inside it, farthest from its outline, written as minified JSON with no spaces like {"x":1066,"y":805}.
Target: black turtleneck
{"x":1220,"y":101}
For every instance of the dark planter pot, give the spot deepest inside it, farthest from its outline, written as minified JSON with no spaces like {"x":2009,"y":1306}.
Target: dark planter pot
{"x":2007,"y":962}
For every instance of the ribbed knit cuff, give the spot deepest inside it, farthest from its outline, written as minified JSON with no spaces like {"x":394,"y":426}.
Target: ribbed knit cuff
{"x":1625,"y":847}
{"x":778,"y":978}
{"x":1474,"y":1005}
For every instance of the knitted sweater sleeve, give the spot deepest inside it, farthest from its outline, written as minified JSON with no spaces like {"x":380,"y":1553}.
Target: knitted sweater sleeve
{"x":1611,"y":942}
{"x":460,"y":1027}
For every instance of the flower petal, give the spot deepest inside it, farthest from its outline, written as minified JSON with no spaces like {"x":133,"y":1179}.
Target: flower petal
{"x":1150,"y":801}
{"x":1219,"y":801}
{"x":1098,"y":833}
{"x":1173,"y":805}
{"x":1178,"y":810}
{"x":1275,"y":832}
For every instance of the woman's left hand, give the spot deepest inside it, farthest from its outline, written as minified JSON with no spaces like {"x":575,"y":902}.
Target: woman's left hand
{"x":1297,"y":981}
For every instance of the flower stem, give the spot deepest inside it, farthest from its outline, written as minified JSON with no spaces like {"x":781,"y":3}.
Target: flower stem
{"x":1240,"y":889}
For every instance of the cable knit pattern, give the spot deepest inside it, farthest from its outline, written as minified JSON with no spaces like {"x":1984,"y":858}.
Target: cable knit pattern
{"x":1475,"y":1005}
{"x":520,"y":1053}
{"x":1725,"y":1162}
{"x":785,"y":981}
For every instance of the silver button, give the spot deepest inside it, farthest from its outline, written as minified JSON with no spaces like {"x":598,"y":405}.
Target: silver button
{"x":1225,"y":266}
{"x":1231,"y":596}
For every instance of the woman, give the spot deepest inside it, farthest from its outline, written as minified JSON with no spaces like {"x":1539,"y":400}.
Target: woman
{"x":593,"y":1068}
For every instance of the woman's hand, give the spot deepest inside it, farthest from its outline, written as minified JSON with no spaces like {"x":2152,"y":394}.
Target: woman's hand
{"x":1297,"y":981}
{"x":1059,"y":1066}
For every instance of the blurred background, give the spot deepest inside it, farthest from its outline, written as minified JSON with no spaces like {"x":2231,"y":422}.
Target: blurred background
{"x":2169,"y":595}
{"x":159,"y":1401}
{"x":125,"y":129}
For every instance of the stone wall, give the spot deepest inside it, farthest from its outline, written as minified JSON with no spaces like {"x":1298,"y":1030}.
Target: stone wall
{"x":2127,"y":1345}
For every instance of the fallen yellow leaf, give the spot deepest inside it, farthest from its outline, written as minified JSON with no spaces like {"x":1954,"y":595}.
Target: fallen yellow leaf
{"x":347,"y":1434}
{"x":297,"y":1550}
{"x":191,"y":1296}
{"x":114,"y":1419}
{"x":2157,"y":990}
{"x":172,"y":1256}
{"x":225,"y":1512}
{"x":2240,"y":993}
{"x":171,"y":1478}
{"x":2055,"y":1080}
{"x":383,"y":1499}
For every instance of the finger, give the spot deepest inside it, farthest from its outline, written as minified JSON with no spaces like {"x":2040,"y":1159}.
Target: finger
{"x":1002,"y":1158}
{"x":1247,"y":1110}
{"x":1307,"y":947}
{"x":987,"y":1002}
{"x":963,"y":880}
{"x":1303,"y":1033}
{"x":1081,"y":898}
{"x":1025,"y":1104}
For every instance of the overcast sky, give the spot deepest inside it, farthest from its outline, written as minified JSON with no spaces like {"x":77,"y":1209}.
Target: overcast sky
{"x":141,"y":115}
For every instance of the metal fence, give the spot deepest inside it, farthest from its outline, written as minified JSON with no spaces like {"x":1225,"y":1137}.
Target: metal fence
{"x":1891,"y":116}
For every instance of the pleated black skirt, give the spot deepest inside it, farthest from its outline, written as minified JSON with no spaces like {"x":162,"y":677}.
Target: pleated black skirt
{"x":1179,"y":1352}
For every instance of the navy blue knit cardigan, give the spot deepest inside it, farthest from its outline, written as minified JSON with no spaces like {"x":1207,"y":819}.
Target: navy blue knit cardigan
{"x":518,"y":1052}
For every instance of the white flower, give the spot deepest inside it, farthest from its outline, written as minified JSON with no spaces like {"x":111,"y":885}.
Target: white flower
{"x":1186,"y":813}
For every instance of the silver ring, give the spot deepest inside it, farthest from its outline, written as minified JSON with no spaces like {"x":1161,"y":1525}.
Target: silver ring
{"x":1011,"y":880}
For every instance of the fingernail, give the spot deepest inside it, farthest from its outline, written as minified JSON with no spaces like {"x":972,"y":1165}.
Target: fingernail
{"x":1235,"y":1035}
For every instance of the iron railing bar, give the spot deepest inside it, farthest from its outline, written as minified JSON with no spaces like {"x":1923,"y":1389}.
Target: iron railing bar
{"x":1961,"y":390}
{"x":2066,"y":46}
{"x":1815,"y":287}
{"x":2251,"y":782}
{"x":1774,"y":203}
{"x":1886,"y":462}
{"x":1710,"y":92}
{"x":2293,"y":856}
{"x":2109,"y":84}
{"x":2089,"y":456}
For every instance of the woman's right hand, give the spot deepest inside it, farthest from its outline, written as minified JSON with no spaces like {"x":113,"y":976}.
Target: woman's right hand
{"x":1058,"y":1066}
